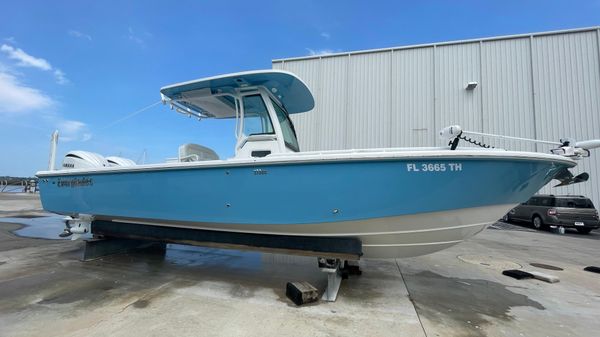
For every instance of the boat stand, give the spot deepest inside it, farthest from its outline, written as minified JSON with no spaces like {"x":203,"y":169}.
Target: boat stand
{"x":337,"y":270}
{"x":334,"y":278}
{"x":327,"y":247}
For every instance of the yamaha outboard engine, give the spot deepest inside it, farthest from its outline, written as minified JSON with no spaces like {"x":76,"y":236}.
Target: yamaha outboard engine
{"x":119,"y":161}
{"x":83,"y":159}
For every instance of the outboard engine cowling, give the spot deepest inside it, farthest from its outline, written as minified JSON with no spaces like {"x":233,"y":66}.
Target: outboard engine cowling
{"x":82,"y":160}
{"x":119,"y":161}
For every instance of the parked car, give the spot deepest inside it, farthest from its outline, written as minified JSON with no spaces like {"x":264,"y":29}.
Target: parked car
{"x":568,"y":211}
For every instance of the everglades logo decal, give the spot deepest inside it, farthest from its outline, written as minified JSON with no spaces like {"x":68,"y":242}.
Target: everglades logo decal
{"x":76,"y":182}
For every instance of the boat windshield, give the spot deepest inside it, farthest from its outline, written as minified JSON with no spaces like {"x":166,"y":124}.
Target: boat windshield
{"x":289,"y":133}
{"x":256,"y":116}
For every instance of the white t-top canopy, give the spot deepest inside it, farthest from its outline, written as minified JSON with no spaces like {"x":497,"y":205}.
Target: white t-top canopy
{"x":206,"y":95}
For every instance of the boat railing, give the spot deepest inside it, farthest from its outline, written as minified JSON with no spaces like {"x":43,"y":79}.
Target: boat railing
{"x":12,"y":185}
{"x":371,"y":150}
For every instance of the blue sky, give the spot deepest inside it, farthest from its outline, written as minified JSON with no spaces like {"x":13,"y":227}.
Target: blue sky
{"x":81,"y":66}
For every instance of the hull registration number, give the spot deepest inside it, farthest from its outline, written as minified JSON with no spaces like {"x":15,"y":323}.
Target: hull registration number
{"x":433,"y":167}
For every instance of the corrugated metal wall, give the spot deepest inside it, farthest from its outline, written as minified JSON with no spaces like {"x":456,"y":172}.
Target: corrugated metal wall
{"x":544,"y":86}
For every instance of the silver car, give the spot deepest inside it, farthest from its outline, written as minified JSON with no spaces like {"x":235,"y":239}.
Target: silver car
{"x":557,"y":210}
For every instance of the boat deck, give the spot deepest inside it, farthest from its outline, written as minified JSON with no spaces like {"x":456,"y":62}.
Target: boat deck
{"x":46,"y":290}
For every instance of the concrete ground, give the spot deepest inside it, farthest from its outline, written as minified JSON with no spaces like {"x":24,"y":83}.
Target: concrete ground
{"x":45,"y":290}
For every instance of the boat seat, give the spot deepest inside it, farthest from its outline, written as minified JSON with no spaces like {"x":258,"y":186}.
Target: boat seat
{"x":194,"y":152}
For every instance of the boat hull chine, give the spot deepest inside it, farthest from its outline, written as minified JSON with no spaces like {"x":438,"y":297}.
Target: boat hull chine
{"x":388,"y":237}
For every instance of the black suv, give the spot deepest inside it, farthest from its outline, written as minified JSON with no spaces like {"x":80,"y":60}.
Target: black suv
{"x":568,"y":211}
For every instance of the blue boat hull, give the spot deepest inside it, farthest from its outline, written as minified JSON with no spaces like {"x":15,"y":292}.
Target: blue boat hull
{"x":381,"y":201}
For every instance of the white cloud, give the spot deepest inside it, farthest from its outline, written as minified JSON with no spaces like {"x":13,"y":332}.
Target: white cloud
{"x":10,"y":39}
{"x":71,"y":130}
{"x":60,"y":76}
{"x":19,"y":102}
{"x":26,"y":60}
{"x":4,"y":69}
{"x":16,"y":97}
{"x":316,"y":52}
{"x":132,"y":36}
{"x":70,"y":126}
{"x":325,"y":35}
{"x":78,"y":34}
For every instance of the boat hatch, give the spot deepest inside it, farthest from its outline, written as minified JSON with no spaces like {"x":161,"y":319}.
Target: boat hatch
{"x":213,"y":96}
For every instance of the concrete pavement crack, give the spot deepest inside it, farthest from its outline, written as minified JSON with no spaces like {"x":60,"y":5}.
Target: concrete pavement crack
{"x":410,"y":298}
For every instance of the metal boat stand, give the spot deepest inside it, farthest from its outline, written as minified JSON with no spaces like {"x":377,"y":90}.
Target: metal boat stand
{"x":337,"y":270}
{"x":334,"y":278}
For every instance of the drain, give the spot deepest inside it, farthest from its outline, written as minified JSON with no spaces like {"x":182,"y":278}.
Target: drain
{"x":545,"y":266}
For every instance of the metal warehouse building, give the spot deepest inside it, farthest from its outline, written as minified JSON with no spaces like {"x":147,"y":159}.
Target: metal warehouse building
{"x":543,"y":85}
